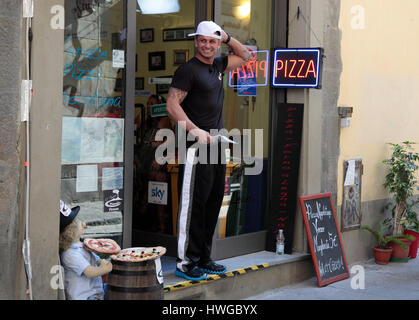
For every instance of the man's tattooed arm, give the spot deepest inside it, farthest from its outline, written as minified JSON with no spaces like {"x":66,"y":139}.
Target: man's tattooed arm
{"x":174,"y":99}
{"x":177,"y":94}
{"x":176,"y":113}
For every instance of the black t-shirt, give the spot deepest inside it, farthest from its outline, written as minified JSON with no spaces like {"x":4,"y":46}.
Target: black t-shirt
{"x":204,"y":83}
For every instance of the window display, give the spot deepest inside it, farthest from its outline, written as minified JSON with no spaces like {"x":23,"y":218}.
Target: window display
{"x":93,"y":114}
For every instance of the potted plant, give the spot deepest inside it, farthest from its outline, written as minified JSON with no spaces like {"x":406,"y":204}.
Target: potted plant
{"x":383,"y":251}
{"x":400,"y":180}
{"x":411,"y":226}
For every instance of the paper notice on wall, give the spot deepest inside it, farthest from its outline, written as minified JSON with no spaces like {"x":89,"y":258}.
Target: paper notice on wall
{"x":350,"y":173}
{"x":86,"y":178}
{"x":118,"y":58}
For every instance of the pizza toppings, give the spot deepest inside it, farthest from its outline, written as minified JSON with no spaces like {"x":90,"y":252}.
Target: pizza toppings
{"x":102,"y":246}
{"x":139,"y":254}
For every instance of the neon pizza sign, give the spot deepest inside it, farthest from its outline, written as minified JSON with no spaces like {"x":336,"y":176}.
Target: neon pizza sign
{"x":291,"y":68}
{"x":252,"y":74}
{"x":297,"y":68}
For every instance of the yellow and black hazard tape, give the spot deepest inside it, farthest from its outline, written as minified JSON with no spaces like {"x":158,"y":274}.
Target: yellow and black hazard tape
{"x":213,"y":277}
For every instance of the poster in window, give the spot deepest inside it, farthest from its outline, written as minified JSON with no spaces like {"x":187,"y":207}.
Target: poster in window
{"x":71,"y":135}
{"x":113,"y":144}
{"x":86,"y":178}
{"x":112,"y":178}
{"x":92,"y":140}
{"x":112,"y":200}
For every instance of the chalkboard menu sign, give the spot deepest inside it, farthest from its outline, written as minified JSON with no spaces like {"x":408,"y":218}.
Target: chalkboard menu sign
{"x":324,"y":238}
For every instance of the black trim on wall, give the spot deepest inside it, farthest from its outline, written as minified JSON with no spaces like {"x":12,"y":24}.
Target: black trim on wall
{"x":279,"y":39}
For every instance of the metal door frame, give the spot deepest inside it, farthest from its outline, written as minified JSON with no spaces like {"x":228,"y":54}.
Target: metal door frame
{"x":130,"y":11}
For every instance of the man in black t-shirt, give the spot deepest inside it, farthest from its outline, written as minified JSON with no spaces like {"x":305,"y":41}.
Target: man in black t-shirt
{"x":195,"y":103}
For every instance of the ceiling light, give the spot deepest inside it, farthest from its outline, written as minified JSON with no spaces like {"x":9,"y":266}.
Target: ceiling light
{"x":242,"y":11}
{"x":158,"y":6}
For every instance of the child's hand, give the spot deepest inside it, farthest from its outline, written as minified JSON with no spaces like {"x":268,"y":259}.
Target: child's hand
{"x":103,"y":268}
{"x":106,"y":265}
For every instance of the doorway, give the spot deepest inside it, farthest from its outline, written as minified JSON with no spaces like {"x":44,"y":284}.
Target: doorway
{"x":162,"y":45}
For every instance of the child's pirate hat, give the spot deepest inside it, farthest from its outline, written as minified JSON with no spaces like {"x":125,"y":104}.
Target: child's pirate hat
{"x":67,"y":215}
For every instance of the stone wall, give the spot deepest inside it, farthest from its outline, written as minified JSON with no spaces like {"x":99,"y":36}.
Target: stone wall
{"x":12,"y":149}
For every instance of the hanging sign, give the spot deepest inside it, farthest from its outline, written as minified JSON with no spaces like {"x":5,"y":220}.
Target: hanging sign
{"x":297,"y":68}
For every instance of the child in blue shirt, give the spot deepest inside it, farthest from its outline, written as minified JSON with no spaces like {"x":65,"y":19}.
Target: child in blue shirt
{"x":82,"y":269}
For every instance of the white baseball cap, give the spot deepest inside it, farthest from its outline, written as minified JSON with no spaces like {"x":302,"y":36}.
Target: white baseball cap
{"x":208,"y":29}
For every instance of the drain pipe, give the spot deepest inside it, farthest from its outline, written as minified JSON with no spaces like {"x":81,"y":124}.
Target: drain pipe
{"x":26,"y":95}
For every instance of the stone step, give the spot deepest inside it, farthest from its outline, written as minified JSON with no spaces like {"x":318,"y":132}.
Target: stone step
{"x":246,"y":276}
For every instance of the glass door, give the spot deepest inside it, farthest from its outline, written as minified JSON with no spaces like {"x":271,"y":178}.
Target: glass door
{"x":93,"y":114}
{"x":241,"y":227}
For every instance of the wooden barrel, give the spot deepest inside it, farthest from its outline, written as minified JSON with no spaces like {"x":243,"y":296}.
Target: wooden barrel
{"x":135,"y":281}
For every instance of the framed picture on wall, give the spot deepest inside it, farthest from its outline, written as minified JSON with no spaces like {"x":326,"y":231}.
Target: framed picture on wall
{"x":147,"y":35}
{"x":139,"y":83}
{"x":180,"y":57}
{"x":157,"y":60}
{"x":162,"y":88}
{"x":179,"y":34}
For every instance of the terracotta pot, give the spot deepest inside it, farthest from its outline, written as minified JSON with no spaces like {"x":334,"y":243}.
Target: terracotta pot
{"x":400,"y":254}
{"x":413,"y":251}
{"x":382,"y":255}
